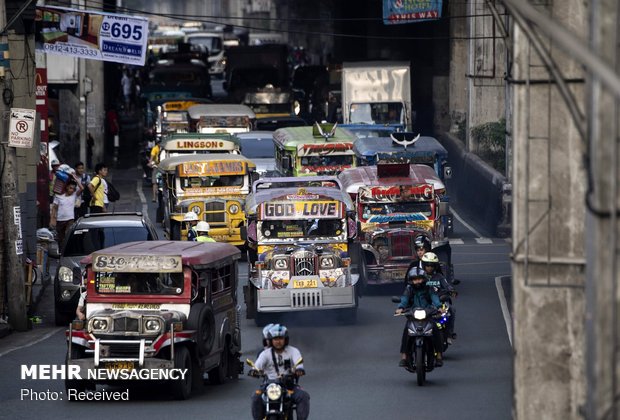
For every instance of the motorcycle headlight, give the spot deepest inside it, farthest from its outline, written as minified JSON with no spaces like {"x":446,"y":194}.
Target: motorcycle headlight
{"x":152,"y":325}
{"x":233,"y":209}
{"x":328,"y":262}
{"x":419,"y":314}
{"x":280,"y":263}
{"x":99,"y":324}
{"x":274,"y":391}
{"x":65,"y":274}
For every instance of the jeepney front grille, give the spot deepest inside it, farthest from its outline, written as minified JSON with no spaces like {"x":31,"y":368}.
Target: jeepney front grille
{"x":126,"y":324}
{"x":129,"y":349}
{"x":215,"y":212}
{"x":304,"y":264}
{"x":400,"y":244}
{"x":306,"y":298}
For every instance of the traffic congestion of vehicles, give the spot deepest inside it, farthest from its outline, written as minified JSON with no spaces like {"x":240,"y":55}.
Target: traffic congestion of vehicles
{"x":321,"y":212}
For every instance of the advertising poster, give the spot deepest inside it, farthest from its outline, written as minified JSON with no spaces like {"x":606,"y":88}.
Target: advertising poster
{"x":410,"y":11}
{"x":91,"y":35}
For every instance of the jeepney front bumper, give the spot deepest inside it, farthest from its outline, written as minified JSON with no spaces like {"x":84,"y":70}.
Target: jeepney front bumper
{"x":319,"y":298}
{"x":386,"y":274}
{"x":225,"y":234}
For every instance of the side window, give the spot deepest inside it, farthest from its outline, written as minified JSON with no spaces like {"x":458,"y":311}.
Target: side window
{"x":222,"y":280}
{"x":200,"y":281}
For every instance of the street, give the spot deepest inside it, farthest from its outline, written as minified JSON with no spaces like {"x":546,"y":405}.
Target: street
{"x":352,"y":370}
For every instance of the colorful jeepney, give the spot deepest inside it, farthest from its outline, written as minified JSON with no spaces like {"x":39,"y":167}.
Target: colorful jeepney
{"x":197,"y":143}
{"x":221,"y":118}
{"x":213,"y":186}
{"x":172,"y":117}
{"x":395,"y":203}
{"x":158,"y":307}
{"x":301,"y":249}
{"x":313,"y":150}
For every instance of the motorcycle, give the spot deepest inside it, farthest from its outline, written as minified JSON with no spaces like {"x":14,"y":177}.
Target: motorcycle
{"x":276,"y":395}
{"x":420,"y":348}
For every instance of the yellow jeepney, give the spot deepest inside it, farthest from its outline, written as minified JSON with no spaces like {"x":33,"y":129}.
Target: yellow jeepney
{"x":214,"y":186}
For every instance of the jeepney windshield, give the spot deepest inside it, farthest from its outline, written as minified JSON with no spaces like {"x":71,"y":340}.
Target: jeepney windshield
{"x":382,"y":209}
{"x":302,"y":229}
{"x":315,"y":163}
{"x":139,"y":283}
{"x":212,"y":181}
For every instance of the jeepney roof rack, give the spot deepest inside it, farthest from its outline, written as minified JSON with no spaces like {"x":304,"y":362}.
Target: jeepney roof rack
{"x":404,"y":138}
{"x":307,"y":181}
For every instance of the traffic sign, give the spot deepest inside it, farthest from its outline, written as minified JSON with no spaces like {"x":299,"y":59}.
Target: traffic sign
{"x":21,"y":127}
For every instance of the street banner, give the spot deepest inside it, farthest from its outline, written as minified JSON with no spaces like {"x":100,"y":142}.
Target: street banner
{"x":91,"y":35}
{"x":21,"y":128}
{"x":410,"y":11}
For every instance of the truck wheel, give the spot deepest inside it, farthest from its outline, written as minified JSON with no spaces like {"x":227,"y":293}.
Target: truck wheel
{"x":202,"y":321}
{"x":182,"y":388}
{"x":218,"y":374}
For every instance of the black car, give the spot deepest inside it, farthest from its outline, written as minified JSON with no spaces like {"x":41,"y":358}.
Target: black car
{"x":87,"y":235}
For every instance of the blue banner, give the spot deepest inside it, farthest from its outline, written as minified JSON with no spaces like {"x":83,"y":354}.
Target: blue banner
{"x":410,"y":11}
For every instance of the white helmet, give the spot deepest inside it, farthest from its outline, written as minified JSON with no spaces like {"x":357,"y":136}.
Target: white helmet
{"x":190,"y":216}
{"x":202,"y":226}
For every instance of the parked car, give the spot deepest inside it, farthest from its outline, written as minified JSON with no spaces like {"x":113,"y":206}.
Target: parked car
{"x":87,"y":235}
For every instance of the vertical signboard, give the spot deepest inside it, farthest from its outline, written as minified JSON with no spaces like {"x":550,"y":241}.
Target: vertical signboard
{"x":21,"y":127}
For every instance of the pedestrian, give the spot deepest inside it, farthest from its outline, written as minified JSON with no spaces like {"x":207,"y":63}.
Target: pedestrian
{"x":81,"y":206}
{"x":126,"y":84}
{"x":153,"y":162}
{"x":98,"y":189}
{"x":63,"y":209}
{"x":55,"y":164}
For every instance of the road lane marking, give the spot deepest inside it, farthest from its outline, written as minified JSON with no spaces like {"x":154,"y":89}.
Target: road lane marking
{"x":467,"y":225}
{"x":484,"y":240}
{"x":456,"y":241}
{"x":145,"y":208}
{"x":504,"y":306}
{"x":45,"y":337}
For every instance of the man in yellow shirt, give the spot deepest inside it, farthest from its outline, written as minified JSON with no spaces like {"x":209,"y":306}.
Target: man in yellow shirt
{"x":98,"y":189}
{"x":153,"y":162}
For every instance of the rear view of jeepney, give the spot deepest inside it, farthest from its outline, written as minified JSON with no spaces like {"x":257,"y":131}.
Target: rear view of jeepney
{"x":213,"y":186}
{"x":395,"y":204}
{"x":151,"y":315}
{"x":300,"y":252}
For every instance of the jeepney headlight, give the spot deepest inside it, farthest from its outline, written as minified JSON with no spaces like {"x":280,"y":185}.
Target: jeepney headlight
{"x":152,"y":325}
{"x":274,"y":391}
{"x":280,"y":263}
{"x":297,"y":107}
{"x":233,"y":209}
{"x":65,"y":274}
{"x":328,"y":262}
{"x":99,"y":325}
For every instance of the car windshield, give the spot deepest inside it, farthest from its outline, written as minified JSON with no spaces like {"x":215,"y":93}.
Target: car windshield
{"x":312,"y":228}
{"x":86,"y":241}
{"x":375,"y":209}
{"x":212,"y":181}
{"x":139,"y":283}
{"x":257,"y":148}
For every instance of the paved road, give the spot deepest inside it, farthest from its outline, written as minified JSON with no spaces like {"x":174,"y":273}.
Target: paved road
{"x":352,"y":369}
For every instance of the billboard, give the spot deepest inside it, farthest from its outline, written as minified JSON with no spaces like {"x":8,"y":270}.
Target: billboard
{"x":91,"y":35}
{"x":410,"y":11}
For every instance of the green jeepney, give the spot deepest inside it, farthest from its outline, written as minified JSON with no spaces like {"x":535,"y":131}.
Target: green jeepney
{"x":314,"y":150}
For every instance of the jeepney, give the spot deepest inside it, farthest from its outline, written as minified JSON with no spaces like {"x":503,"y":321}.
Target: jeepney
{"x":197,"y":143}
{"x":323,"y":149}
{"x":172,"y":117}
{"x":221,"y":118}
{"x":157,"y":310}
{"x":270,"y":101}
{"x":395,"y":203}
{"x":301,"y":250}
{"x":214,"y":186}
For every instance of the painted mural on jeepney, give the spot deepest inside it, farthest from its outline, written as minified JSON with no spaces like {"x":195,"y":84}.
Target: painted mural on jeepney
{"x":137,"y":263}
{"x":323,"y":149}
{"x":221,"y":167}
{"x":300,"y":210}
{"x":423,"y":192}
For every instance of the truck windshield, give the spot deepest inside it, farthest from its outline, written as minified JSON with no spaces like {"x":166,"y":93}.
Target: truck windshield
{"x":314,"y":163}
{"x":309,"y":229}
{"x":139,"y":283}
{"x":213,"y":43}
{"x":212,"y":181}
{"x":377,"y":113}
{"x":376,"y":209}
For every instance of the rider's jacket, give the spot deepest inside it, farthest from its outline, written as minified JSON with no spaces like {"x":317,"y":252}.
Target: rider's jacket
{"x":424,"y":297}
{"x":439,"y":283}
{"x":274,"y":364}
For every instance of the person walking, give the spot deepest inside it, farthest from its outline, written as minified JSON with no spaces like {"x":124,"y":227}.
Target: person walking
{"x":98,"y":189}
{"x":81,"y":206}
{"x":63,"y":209}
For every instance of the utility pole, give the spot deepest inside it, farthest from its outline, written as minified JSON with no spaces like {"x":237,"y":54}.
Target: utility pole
{"x":11,"y":215}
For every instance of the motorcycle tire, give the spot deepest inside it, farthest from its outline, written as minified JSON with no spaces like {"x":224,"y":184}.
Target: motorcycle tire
{"x":420,"y":368}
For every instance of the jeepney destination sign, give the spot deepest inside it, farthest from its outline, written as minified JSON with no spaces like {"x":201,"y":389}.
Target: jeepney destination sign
{"x":137,"y":263}
{"x":314,"y":210}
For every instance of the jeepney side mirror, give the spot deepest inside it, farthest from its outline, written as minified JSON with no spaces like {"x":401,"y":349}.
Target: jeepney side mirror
{"x":447,"y":172}
{"x":444,"y":208}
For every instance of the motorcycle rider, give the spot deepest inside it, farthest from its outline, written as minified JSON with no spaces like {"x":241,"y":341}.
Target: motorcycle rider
{"x":422,"y":246}
{"x":274,"y":361}
{"x":191,"y":219}
{"x":430,"y":263}
{"x":418,"y":295}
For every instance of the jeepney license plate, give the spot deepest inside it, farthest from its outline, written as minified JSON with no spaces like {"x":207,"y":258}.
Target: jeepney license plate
{"x":119,"y":365}
{"x":305,"y":284}
{"x":398,"y":274}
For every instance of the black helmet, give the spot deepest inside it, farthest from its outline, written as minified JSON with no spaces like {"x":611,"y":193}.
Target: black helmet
{"x":422,"y":241}
{"x":415,"y":273}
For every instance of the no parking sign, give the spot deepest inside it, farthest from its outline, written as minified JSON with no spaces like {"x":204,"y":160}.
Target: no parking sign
{"x":21,"y":127}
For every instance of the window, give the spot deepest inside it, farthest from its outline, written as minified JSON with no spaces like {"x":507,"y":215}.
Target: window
{"x":86,"y":241}
{"x":139,"y":283}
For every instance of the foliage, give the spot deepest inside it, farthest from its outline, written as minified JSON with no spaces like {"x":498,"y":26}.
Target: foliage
{"x":490,"y":139}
